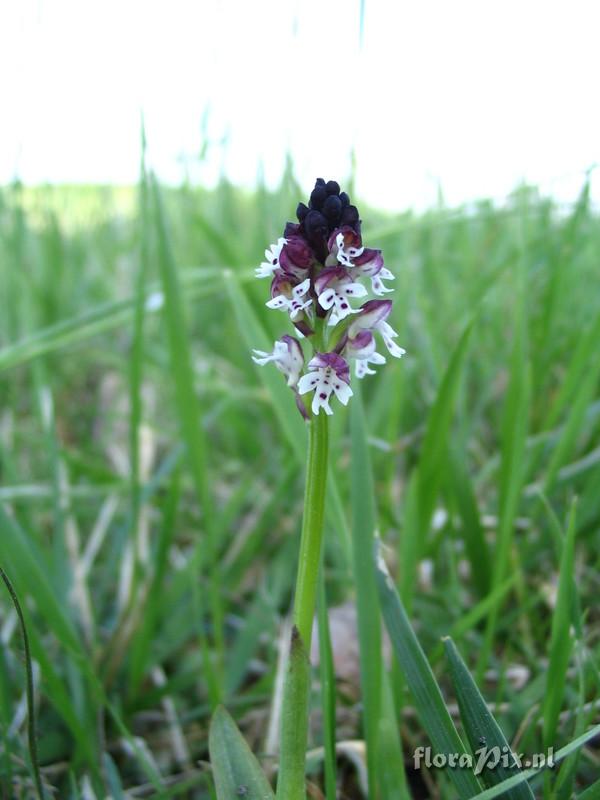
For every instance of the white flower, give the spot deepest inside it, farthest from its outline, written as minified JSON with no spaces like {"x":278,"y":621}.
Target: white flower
{"x":372,"y":317}
{"x":290,"y":299}
{"x":335,"y":287}
{"x":287,"y":356}
{"x":346,"y":255}
{"x":388,"y":334}
{"x":329,"y":374}
{"x":268,"y":267}
{"x":377,"y":283}
{"x":361,"y":365}
{"x":369,"y":264}
{"x":361,"y":349}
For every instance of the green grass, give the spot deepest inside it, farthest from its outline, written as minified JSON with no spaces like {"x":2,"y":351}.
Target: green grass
{"x":151,"y":484}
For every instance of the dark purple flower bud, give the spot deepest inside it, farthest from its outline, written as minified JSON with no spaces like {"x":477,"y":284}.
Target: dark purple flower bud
{"x":317,"y":197}
{"x":328,"y":209}
{"x":292,"y":229}
{"x":301,"y":211}
{"x":332,"y":209}
{"x":350,"y":217}
{"x":316,"y":228}
{"x":296,"y":256}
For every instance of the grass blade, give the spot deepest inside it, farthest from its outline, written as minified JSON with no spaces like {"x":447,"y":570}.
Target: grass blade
{"x":236,"y":771}
{"x":481,"y":728}
{"x":327,"y":690}
{"x":421,"y":681}
{"x":425,"y":483}
{"x":31,"y":731}
{"x":191,"y":427}
{"x":512,"y":473}
{"x":384,"y":753}
{"x":100,"y":319}
{"x":369,"y":626}
{"x":476,"y":547}
{"x":517,"y":780}
{"x":591,"y":793}
{"x":561,"y":642}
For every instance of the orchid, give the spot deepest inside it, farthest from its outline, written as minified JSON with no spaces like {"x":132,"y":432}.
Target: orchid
{"x":318,"y":267}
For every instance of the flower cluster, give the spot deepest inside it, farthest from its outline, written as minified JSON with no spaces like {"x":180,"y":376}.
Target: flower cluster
{"x":317,"y":268}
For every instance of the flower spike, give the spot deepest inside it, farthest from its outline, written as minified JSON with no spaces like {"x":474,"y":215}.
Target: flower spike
{"x":318,"y":267}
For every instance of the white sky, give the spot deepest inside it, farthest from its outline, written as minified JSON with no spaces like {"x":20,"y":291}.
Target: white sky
{"x":474,"y":95}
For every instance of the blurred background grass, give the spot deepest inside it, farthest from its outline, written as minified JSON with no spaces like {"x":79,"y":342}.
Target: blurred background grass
{"x":154,"y":584}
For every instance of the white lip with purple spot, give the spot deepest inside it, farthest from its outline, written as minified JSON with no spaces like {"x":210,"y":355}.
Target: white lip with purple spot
{"x":329,"y":374}
{"x":335,"y":287}
{"x":268,"y":267}
{"x":294,"y":304}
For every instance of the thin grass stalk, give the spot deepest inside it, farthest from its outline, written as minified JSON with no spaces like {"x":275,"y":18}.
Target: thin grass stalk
{"x":31,"y":728}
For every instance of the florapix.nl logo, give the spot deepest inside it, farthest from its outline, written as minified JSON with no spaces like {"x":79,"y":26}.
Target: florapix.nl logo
{"x":484,"y":758}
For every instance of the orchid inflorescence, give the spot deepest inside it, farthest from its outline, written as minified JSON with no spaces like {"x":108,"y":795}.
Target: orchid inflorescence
{"x":315,"y":270}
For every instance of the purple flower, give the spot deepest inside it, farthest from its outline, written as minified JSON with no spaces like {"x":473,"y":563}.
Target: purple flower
{"x":296,"y":257}
{"x":329,"y":374}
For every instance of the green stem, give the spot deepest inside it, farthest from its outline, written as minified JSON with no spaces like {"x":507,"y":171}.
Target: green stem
{"x":294,"y":722}
{"x":312,"y":527}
